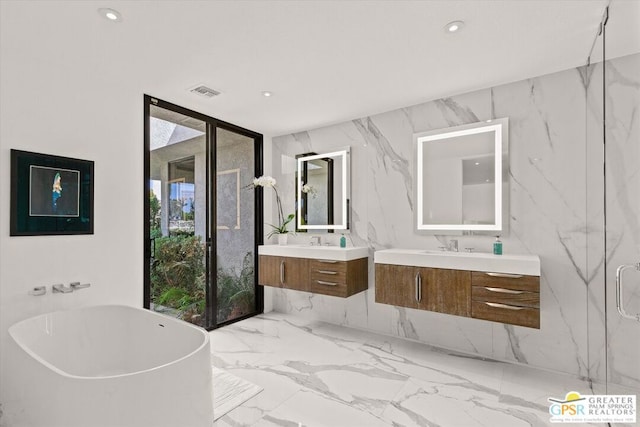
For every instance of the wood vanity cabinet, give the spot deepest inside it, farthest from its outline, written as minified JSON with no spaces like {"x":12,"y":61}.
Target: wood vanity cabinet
{"x":506,"y":298}
{"x":433,"y":289}
{"x":499,"y":297}
{"x":321,"y":276}
{"x":283,"y":272}
{"x":339,"y":278}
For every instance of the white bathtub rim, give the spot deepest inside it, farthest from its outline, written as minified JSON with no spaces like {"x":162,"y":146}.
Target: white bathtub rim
{"x":59,"y":371}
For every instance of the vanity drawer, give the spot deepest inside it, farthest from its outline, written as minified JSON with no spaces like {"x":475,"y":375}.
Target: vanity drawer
{"x":506,"y":313}
{"x":506,"y":298}
{"x":510,"y":281}
{"x":339,"y":278}
{"x":328,"y":286}
{"x":328,"y":269}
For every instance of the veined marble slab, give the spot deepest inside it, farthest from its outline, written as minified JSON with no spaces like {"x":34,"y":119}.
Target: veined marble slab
{"x":334,"y":253}
{"x":475,"y":261}
{"x":318,"y":374}
{"x":556,"y":212}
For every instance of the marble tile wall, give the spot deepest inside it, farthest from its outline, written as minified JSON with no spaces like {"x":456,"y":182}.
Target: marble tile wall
{"x":548,"y":216}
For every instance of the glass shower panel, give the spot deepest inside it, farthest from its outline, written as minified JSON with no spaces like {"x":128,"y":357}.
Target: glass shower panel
{"x":622,"y":200}
{"x":236,"y":226}
{"x":178,"y":215}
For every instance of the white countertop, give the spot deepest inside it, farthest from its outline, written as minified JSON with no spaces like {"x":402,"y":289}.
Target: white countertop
{"x":474,"y":261}
{"x":334,"y":253}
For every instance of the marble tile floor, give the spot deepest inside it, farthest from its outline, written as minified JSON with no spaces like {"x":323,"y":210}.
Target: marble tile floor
{"x":318,"y":374}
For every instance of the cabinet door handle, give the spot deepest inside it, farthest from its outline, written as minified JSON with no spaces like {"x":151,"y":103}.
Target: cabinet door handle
{"x":327,"y":272}
{"x":507,"y":275}
{"x":508,"y":307}
{"x":327,"y":261}
{"x":282,"y":272}
{"x":322,"y":282}
{"x":503,"y":291}
{"x":418,"y":283}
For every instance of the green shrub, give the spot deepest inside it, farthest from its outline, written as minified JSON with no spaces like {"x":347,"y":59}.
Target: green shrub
{"x":178,"y":267}
{"x":236,"y":293}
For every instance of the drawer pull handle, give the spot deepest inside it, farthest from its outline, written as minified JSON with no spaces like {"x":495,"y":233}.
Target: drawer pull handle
{"x":418,"y":281}
{"x":503,"y":291}
{"x":328,"y":261}
{"x":507,"y":275}
{"x":327,"y":272}
{"x":498,"y":305}
{"x":322,"y":282}
{"x":281,"y":273}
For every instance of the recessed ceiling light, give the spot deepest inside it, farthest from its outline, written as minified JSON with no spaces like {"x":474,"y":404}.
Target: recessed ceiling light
{"x":488,"y":180}
{"x":477,"y":163}
{"x":454,"y":26}
{"x":110,"y":14}
{"x":266,"y":93}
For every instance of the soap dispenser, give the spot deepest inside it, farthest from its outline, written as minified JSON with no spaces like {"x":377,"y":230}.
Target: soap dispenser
{"x":343,"y":242}
{"x":497,"y":246}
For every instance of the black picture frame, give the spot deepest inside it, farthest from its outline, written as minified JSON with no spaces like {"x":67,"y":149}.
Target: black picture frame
{"x":50,"y":195}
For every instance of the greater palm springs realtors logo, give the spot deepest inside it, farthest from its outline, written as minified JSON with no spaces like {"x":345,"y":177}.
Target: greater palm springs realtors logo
{"x":575,"y":408}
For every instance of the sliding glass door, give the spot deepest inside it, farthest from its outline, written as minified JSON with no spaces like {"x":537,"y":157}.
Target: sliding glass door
{"x":202,"y":218}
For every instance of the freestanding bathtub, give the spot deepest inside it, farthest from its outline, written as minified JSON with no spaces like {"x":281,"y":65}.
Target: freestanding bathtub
{"x":108,"y":366}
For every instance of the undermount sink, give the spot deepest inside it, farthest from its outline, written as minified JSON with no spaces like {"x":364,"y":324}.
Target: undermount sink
{"x":474,"y":261}
{"x":335,"y":253}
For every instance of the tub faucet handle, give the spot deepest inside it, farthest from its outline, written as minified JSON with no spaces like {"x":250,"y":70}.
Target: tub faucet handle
{"x":38,"y":291}
{"x":77,"y":285}
{"x":60,"y":288}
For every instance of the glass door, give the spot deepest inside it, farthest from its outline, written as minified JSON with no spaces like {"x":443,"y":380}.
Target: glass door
{"x":236,"y":234}
{"x":613,"y":208}
{"x":177,"y":211}
{"x":202,"y":219}
{"x":621,"y":77}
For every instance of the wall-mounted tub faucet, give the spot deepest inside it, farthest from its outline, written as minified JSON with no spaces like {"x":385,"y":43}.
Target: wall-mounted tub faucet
{"x":315,"y":240}
{"x":62,"y":289}
{"x":77,"y":285}
{"x":453,"y":245}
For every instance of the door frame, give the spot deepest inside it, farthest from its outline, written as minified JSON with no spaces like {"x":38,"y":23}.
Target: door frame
{"x":211,"y":248}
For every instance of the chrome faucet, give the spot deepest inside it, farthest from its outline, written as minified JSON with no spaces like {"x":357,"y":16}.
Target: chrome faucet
{"x":315,"y":240}
{"x":453,"y":245}
{"x":62,"y":289}
{"x":77,"y":285}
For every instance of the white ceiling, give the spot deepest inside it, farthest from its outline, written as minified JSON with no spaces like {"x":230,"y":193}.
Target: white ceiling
{"x":325,"y":61}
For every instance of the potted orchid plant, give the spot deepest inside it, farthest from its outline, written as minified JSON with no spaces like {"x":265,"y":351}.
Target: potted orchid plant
{"x":279,"y":230}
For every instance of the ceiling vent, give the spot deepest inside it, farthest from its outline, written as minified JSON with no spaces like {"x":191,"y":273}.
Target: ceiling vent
{"x":207,"y":92}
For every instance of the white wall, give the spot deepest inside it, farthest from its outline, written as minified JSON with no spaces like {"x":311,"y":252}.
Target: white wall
{"x":72,"y":93}
{"x":54,"y":104}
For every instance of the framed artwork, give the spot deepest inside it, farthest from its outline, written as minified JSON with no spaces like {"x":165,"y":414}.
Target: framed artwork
{"x":50,"y":195}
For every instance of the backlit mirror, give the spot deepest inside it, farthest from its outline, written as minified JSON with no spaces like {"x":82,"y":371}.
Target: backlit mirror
{"x":462,"y":179}
{"x":322,"y":191}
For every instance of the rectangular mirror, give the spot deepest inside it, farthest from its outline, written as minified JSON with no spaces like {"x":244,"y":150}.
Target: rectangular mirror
{"x":462,"y":179}
{"x":323,"y":191}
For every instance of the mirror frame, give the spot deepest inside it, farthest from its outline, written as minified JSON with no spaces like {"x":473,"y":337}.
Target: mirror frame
{"x":501,"y":175}
{"x":343,"y":215}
